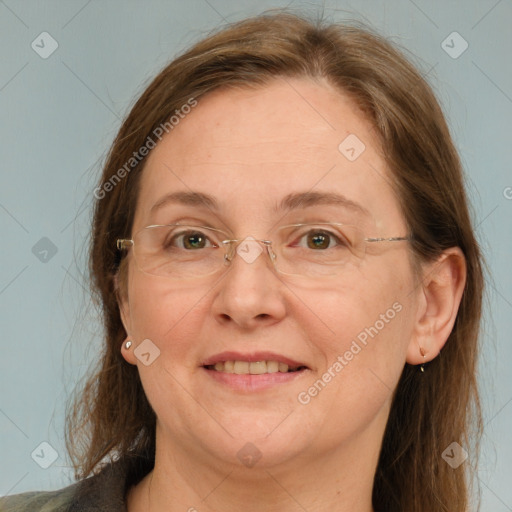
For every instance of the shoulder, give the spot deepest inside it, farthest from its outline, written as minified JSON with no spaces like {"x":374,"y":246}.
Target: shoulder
{"x":47,"y":501}
{"x":103,"y":492}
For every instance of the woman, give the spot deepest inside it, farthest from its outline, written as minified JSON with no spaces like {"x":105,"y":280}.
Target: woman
{"x":291,"y":288}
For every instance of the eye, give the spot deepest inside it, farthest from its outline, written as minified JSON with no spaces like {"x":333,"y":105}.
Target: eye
{"x":189,"y":240}
{"x":320,"y":239}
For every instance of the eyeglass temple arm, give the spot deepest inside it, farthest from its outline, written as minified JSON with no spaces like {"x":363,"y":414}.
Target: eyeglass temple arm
{"x":391,"y":239}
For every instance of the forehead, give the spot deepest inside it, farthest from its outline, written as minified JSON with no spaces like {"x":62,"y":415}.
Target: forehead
{"x":249,"y":148}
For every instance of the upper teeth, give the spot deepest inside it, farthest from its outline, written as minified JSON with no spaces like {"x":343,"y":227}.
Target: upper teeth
{"x":253,"y":368}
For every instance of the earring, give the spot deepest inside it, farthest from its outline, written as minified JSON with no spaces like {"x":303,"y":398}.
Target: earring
{"x":424,"y":354}
{"x":127,"y":345}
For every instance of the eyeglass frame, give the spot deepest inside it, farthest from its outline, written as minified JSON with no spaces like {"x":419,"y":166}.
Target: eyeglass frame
{"x":121,"y":243}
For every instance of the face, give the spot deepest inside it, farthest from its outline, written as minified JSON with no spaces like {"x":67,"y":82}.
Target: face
{"x":250,"y":150}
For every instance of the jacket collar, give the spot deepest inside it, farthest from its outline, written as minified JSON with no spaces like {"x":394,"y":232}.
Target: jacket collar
{"x":106,"y":491}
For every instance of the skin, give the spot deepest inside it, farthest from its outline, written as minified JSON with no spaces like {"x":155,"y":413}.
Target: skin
{"x":249,"y":148}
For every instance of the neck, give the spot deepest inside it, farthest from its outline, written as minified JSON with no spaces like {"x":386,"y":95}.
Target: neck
{"x":339,"y":480}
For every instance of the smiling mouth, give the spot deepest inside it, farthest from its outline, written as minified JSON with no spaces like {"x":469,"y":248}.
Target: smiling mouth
{"x":253,"y":367}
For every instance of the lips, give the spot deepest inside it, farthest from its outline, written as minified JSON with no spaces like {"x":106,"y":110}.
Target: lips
{"x":253,"y":372}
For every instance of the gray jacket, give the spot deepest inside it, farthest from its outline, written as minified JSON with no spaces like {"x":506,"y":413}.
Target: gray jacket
{"x":104,"y":492}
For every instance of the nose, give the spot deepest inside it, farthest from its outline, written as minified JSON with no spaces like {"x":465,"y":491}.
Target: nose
{"x":250,"y":294}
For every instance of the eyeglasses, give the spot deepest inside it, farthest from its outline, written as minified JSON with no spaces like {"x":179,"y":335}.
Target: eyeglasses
{"x":179,"y":251}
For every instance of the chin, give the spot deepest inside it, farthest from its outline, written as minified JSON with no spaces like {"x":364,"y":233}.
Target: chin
{"x":259,"y":441}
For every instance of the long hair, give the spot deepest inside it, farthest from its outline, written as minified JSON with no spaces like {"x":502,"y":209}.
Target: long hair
{"x":430,"y":411}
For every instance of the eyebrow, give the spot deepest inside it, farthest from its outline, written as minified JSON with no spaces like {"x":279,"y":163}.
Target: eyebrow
{"x":308,"y":199}
{"x":186,"y":198}
{"x":293,"y":201}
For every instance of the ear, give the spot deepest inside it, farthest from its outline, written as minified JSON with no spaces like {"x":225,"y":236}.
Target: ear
{"x":124,"y":311}
{"x":439,"y":299}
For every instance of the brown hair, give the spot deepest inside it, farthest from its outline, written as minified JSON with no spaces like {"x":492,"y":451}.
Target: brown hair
{"x":430,"y":410}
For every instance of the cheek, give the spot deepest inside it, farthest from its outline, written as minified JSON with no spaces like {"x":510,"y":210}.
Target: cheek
{"x":167,"y":313}
{"x":171,"y":316}
{"x":362,"y":330}
{"x":363,"y":352}
{"x":365,"y":297}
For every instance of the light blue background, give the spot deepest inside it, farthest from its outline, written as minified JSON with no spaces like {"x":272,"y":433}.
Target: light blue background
{"x":60,"y":114}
